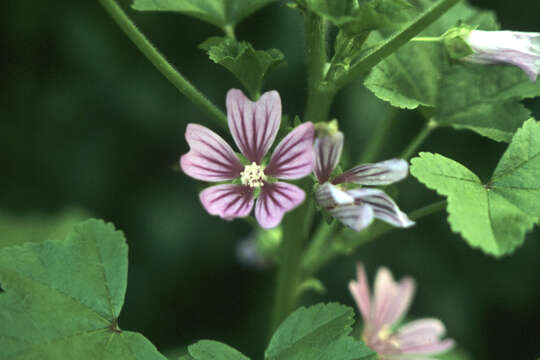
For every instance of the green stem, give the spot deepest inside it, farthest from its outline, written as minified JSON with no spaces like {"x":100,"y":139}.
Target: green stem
{"x":319,"y":99}
{"x":379,"y":137}
{"x":318,"y":244}
{"x":430,"y":125}
{"x":351,"y":241}
{"x":289,"y":275}
{"x":159,"y":61}
{"x":374,"y":56}
{"x":427,"y":39}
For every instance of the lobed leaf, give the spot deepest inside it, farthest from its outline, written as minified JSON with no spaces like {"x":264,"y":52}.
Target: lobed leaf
{"x":62,"y":299}
{"x":494,"y":216}
{"x":318,"y":332}
{"x":250,"y":66}
{"x":221,"y":13}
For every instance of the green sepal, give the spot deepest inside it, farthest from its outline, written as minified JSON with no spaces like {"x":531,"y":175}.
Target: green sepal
{"x":455,"y":41}
{"x":311,"y":284}
{"x":250,"y":66}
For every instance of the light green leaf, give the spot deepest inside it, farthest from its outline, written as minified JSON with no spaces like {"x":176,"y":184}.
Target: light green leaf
{"x":222,"y":13}
{"x":318,"y":332}
{"x":16,"y":230}
{"x":213,"y":350}
{"x":485,"y":99}
{"x":250,"y":66}
{"x":494,"y":216}
{"x":62,"y":298}
{"x":355,"y":17}
{"x":410,"y":77}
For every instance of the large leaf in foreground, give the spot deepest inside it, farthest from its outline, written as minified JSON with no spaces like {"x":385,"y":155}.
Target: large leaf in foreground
{"x":494,"y":216}
{"x":62,"y":298}
{"x":410,"y":77}
{"x":222,"y":13}
{"x":318,"y":332}
{"x":213,"y":350}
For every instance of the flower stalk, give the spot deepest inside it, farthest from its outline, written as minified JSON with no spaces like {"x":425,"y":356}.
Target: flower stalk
{"x":161,"y":63}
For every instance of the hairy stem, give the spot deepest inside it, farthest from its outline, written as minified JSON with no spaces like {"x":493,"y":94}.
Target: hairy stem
{"x":159,"y":61}
{"x":347,"y":242}
{"x":373,"y":57}
{"x":295,"y":232}
{"x":409,"y":151}
{"x":319,"y":98}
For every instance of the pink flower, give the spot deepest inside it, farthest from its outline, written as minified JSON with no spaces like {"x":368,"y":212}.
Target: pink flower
{"x":254,"y":126}
{"x":382,"y":312}
{"x":355,"y":208}
{"x":521,"y":49}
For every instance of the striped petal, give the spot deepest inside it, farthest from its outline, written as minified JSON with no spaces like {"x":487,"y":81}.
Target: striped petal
{"x":253,"y":125}
{"x":275,"y":200}
{"x":383,"y":206}
{"x":293,"y":157}
{"x":329,"y":196}
{"x":327,"y":153}
{"x":381,"y":173}
{"x":356,"y":217}
{"x":209,"y":158}
{"x":360,"y":292}
{"x":423,"y":337}
{"x":227,"y":201}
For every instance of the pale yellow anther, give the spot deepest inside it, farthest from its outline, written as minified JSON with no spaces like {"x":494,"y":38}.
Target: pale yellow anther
{"x":253,"y":175}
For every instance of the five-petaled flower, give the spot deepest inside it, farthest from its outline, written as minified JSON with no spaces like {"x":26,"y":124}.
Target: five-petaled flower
{"x":382,"y":312}
{"x":355,"y":208}
{"x":516,"y":48}
{"x":254,"y":126}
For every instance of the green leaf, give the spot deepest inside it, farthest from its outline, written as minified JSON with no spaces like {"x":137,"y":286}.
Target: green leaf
{"x":213,"y":350}
{"x":485,"y":99}
{"x":494,"y":216}
{"x":410,"y":77}
{"x":62,"y":298}
{"x":355,"y":17}
{"x":221,"y":13}
{"x":250,"y":66}
{"x":17,"y":230}
{"x":318,"y":332}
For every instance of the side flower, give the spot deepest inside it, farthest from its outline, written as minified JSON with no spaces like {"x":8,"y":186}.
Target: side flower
{"x":384,"y":310}
{"x":355,"y":208}
{"x":521,"y":49}
{"x":254,"y":126}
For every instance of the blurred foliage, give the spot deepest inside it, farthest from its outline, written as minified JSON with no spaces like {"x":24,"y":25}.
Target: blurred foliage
{"x":87,"y":122}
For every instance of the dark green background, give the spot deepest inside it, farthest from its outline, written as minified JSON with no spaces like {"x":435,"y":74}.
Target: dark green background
{"x":86,"y":121}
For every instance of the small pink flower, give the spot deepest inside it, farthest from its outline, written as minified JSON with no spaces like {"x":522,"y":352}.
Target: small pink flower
{"x":381,"y":313}
{"x":355,"y":208}
{"x":254,"y":126}
{"x":516,"y":48}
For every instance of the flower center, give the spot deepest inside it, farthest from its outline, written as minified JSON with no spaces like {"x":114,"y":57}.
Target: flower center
{"x":253,"y":175}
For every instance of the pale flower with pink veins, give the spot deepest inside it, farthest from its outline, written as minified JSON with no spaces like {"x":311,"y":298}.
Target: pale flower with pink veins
{"x":254,"y":126}
{"x":415,"y":340}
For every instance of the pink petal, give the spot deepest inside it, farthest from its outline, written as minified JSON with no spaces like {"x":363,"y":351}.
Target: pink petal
{"x":356,"y":217}
{"x":429,"y":348}
{"x":275,"y":200}
{"x":209,"y":158}
{"x":360,"y":292}
{"x":381,"y":173}
{"x":422,"y":327}
{"x":383,"y":206}
{"x":227,"y":201}
{"x":253,"y":125}
{"x":329,"y":196}
{"x":327,"y":154}
{"x":293,"y":157}
{"x":391,"y":299}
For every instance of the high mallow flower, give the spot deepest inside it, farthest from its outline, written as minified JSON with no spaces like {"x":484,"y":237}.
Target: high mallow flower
{"x":355,"y":208}
{"x":383,"y":311}
{"x":516,"y":48}
{"x":253,"y":126}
